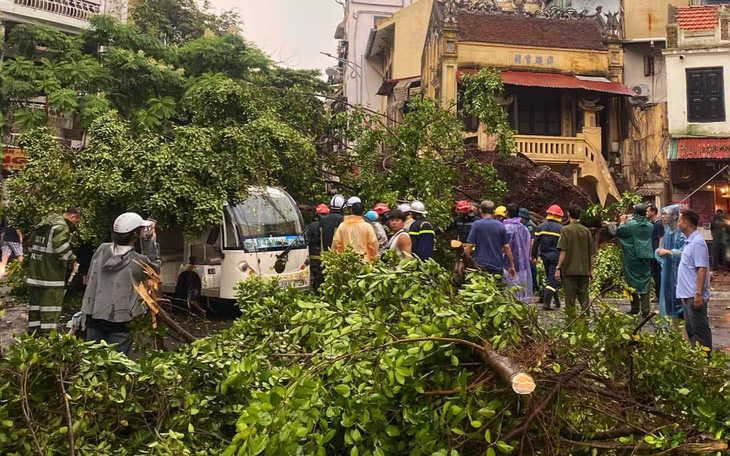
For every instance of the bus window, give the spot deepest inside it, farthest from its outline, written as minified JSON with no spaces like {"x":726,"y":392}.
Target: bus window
{"x":231,"y":240}
{"x":265,"y":221}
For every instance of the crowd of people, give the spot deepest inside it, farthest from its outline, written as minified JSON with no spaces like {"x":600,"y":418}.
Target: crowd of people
{"x":500,"y":241}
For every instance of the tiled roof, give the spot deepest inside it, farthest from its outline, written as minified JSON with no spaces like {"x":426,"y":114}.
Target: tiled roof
{"x":528,"y":31}
{"x":695,"y":18}
{"x":699,"y":148}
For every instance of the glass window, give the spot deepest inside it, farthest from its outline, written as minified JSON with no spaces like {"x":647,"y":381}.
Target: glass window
{"x":266,"y":220}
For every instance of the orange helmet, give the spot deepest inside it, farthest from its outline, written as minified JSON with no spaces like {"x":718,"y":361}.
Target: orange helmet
{"x":463,"y":207}
{"x":381,"y":208}
{"x":555,"y":210}
{"x":322,"y":209}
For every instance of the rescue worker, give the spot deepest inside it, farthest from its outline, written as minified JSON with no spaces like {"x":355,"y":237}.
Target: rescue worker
{"x":329,"y":223}
{"x":314,"y":243}
{"x":545,"y":247}
{"x":356,"y":233}
{"x":465,"y":218}
{"x":422,"y":232}
{"x":500,"y":213}
{"x":383,"y":211}
{"x":50,"y":261}
{"x":352,"y":200}
{"x":525,"y":216}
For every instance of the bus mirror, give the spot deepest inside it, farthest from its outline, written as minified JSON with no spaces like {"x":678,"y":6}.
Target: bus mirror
{"x":213,"y":236}
{"x":280,"y":265}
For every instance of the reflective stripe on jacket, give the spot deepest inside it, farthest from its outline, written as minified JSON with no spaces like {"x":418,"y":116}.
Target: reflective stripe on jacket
{"x":422,"y":235}
{"x":50,"y":253}
{"x":546,"y":240}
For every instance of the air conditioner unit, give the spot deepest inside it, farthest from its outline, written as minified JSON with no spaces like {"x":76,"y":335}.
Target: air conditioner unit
{"x":642,"y":90}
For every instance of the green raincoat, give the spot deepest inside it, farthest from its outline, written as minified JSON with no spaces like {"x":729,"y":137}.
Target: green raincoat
{"x":635,"y":239}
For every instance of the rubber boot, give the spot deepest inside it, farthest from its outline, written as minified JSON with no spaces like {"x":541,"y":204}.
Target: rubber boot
{"x":557,"y":301}
{"x":635,"y":304}
{"x":547,"y":297}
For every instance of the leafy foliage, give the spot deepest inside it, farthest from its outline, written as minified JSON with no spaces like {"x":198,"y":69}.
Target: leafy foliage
{"x":594,"y":215}
{"x":608,"y":274}
{"x":381,"y":364}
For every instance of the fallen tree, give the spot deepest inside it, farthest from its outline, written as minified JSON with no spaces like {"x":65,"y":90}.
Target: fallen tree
{"x":388,"y":360}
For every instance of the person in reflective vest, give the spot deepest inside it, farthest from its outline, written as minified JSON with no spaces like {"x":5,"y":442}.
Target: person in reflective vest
{"x":465,"y":218}
{"x":545,"y":247}
{"x":50,"y":260}
{"x":422,"y":232}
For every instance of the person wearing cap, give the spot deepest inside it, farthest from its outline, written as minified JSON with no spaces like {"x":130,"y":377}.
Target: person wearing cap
{"x":488,"y":238}
{"x":406,"y":209}
{"x":356,"y":233}
{"x":330,"y":222}
{"x":314,"y":242}
{"x":545,"y":247}
{"x":520,"y":244}
{"x":464,"y":219}
{"x":634,"y":235}
{"x":51,"y":260}
{"x":500,"y":213}
{"x":374,"y":219}
{"x":422,"y":232}
{"x":110,"y":301}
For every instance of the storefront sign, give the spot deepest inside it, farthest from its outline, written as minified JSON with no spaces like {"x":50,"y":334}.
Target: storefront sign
{"x":533,"y":59}
{"x":13,"y":159}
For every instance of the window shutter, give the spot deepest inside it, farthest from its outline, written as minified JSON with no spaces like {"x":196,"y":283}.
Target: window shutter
{"x":705,"y":95}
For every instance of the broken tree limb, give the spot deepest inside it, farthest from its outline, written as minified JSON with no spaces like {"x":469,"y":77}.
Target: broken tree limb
{"x":685,"y":448}
{"x":521,"y":382}
{"x":569,"y":376}
{"x":150,"y":292}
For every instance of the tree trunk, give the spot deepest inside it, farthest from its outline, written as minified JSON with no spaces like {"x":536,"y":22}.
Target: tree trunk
{"x":521,"y":382}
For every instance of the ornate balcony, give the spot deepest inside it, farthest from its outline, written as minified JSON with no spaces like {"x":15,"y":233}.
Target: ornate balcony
{"x":77,"y":9}
{"x":552,"y":149}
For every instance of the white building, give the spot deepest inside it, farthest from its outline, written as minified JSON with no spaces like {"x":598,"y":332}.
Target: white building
{"x":698,"y":71}
{"x":66,"y":15}
{"x":360,"y":79}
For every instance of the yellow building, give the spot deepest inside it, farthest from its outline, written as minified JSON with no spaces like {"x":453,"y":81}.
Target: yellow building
{"x":561,"y":70}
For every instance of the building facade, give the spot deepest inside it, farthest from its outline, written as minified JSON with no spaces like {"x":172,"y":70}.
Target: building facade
{"x":562,"y":72}
{"x":360,"y":80}
{"x":697,"y":68}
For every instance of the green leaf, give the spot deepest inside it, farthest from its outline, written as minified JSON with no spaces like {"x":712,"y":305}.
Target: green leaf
{"x":683,"y":391}
{"x":392,"y":431}
{"x":490,"y":452}
{"x":343,"y":390}
{"x":354,"y":451}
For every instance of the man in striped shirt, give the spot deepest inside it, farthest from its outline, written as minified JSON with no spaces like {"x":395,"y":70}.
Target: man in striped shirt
{"x":50,"y":258}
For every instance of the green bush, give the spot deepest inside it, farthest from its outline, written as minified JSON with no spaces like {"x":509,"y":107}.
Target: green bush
{"x":608,"y":274}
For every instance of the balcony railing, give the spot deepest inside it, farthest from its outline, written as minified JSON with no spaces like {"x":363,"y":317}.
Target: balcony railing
{"x":77,"y":9}
{"x":552,"y":149}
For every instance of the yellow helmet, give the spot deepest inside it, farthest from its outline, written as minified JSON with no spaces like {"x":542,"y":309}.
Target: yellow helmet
{"x":501,"y":211}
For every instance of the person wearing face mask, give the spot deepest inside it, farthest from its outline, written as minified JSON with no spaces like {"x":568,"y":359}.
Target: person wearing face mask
{"x":111,"y":301}
{"x":670,"y":254}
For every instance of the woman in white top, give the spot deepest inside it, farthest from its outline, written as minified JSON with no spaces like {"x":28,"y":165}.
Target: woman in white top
{"x":401,"y":241}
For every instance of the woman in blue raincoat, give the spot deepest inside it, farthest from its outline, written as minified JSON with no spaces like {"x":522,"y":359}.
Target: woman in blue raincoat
{"x":669,"y":254}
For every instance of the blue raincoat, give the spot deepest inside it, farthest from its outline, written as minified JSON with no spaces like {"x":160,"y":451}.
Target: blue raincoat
{"x":519,"y":241}
{"x":674,"y":241}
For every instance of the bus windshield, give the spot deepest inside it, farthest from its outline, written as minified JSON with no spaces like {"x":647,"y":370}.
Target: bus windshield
{"x":267,"y":220}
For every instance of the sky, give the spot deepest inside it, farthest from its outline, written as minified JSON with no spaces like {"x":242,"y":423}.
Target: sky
{"x":291,"y":32}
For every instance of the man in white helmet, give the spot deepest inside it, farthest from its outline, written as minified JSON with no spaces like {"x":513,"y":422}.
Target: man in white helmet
{"x":421,"y":231}
{"x":406,"y":209}
{"x":329,"y":223}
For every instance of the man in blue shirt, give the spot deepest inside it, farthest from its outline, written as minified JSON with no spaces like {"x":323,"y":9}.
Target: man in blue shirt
{"x":693,"y":281}
{"x":489,"y":239}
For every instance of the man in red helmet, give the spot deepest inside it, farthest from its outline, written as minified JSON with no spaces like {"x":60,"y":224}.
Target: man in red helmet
{"x":545,"y":247}
{"x":464,"y":219}
{"x":315,"y":247}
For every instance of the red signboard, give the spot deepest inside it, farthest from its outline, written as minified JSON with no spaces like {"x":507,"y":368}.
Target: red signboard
{"x":13,"y":159}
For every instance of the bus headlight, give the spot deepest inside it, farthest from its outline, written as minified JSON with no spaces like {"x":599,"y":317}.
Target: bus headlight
{"x":243,"y":266}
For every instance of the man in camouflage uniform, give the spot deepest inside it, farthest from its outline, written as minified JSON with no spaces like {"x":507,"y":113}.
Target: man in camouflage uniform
{"x":50,"y":258}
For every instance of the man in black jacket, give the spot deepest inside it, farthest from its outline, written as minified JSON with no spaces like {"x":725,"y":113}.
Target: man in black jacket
{"x":546,"y":248}
{"x":314,"y":242}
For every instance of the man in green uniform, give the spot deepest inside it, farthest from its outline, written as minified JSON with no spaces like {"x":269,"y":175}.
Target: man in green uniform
{"x":575,"y":263}
{"x":635,"y":237}
{"x":50,"y":257}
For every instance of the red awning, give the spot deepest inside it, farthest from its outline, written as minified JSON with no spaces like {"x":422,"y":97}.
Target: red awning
{"x":560,"y":81}
{"x":701,"y":148}
{"x":564,"y":81}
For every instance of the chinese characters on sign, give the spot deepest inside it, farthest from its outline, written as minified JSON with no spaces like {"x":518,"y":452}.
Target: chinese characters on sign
{"x":533,"y":59}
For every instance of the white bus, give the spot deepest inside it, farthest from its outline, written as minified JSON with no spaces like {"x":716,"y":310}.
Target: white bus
{"x":260,"y":236}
